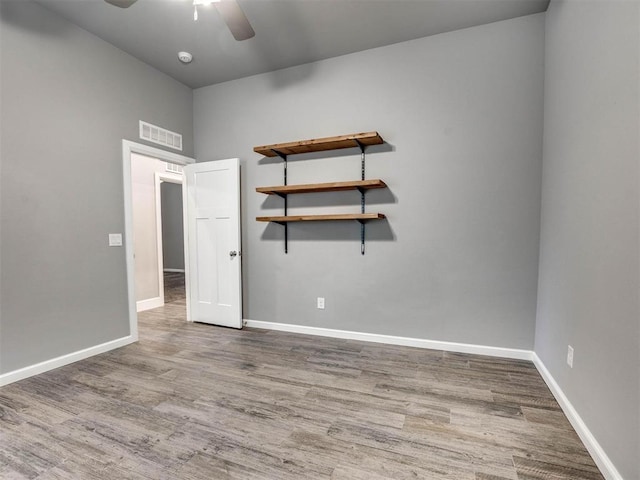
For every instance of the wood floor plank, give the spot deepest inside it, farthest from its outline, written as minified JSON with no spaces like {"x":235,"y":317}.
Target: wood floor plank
{"x":192,"y":401}
{"x":487,"y":476}
{"x":536,"y":470}
{"x":350,"y":400}
{"x":383,"y":462}
{"x":347,"y":472}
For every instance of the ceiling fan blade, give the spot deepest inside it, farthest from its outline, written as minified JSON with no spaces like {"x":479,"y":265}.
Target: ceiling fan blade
{"x":121,"y":3}
{"x":235,"y":19}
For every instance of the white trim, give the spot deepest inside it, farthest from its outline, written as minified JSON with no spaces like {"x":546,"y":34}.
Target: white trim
{"x":129,"y":147}
{"x":601,"y":459}
{"x":63,"y":360}
{"x":174,"y":270}
{"x":159,"y":257}
{"x":500,"y":352}
{"x":149,"y":303}
{"x":185,"y":230}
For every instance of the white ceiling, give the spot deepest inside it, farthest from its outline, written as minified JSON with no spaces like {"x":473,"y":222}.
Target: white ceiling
{"x":288,"y":32}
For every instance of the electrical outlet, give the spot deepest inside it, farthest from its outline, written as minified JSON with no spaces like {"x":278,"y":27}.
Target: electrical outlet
{"x":570,"y":356}
{"x":321,"y":303}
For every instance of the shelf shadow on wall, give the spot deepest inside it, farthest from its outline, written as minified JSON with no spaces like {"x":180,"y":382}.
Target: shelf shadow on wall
{"x":350,"y":198}
{"x":346,"y":152}
{"x":345,"y":231}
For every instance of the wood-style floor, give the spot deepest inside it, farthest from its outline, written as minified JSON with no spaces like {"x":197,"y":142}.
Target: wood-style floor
{"x":192,"y":401}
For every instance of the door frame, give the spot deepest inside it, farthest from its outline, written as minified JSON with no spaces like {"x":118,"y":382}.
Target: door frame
{"x":128,"y":148}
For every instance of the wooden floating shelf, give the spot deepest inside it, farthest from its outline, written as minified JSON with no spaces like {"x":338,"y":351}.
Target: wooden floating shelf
{"x":283,"y":150}
{"x":320,"y":144}
{"x":360,"y":217}
{"x":322,"y":187}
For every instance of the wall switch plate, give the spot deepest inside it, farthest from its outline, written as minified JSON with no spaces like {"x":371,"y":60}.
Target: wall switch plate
{"x":570,"y":356}
{"x":115,"y":239}
{"x":321,"y":303}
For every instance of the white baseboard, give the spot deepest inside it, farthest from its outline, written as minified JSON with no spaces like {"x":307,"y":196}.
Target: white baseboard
{"x":149,"y":303}
{"x":177,"y":270}
{"x":393,"y":340}
{"x":601,"y":459}
{"x":47,"y":365}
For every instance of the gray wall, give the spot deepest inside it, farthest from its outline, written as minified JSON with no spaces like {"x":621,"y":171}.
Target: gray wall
{"x":457,"y":259}
{"x":588,"y":287}
{"x":172,"y":227}
{"x":68,"y":99}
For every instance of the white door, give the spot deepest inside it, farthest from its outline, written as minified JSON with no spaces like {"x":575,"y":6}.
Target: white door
{"x":212,"y":199}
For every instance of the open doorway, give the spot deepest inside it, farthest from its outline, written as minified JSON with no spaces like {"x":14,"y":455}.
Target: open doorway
{"x":158,"y":233}
{"x":147,"y":291}
{"x":172,"y":236}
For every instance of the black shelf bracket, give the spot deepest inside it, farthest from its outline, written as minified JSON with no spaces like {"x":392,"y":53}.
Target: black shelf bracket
{"x":362,"y":191}
{"x":283,"y":156}
{"x":284,"y":196}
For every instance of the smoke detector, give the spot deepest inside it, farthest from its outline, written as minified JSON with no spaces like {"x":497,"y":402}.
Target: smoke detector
{"x":185,"y":57}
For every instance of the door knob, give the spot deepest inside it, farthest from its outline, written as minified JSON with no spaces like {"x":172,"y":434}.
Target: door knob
{"x":233,"y":253}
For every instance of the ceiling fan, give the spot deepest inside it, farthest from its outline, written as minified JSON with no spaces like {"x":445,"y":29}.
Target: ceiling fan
{"x":230,"y":10}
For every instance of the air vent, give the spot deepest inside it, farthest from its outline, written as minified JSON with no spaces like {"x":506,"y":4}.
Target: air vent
{"x":161,"y":136}
{"x":173,"y":168}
